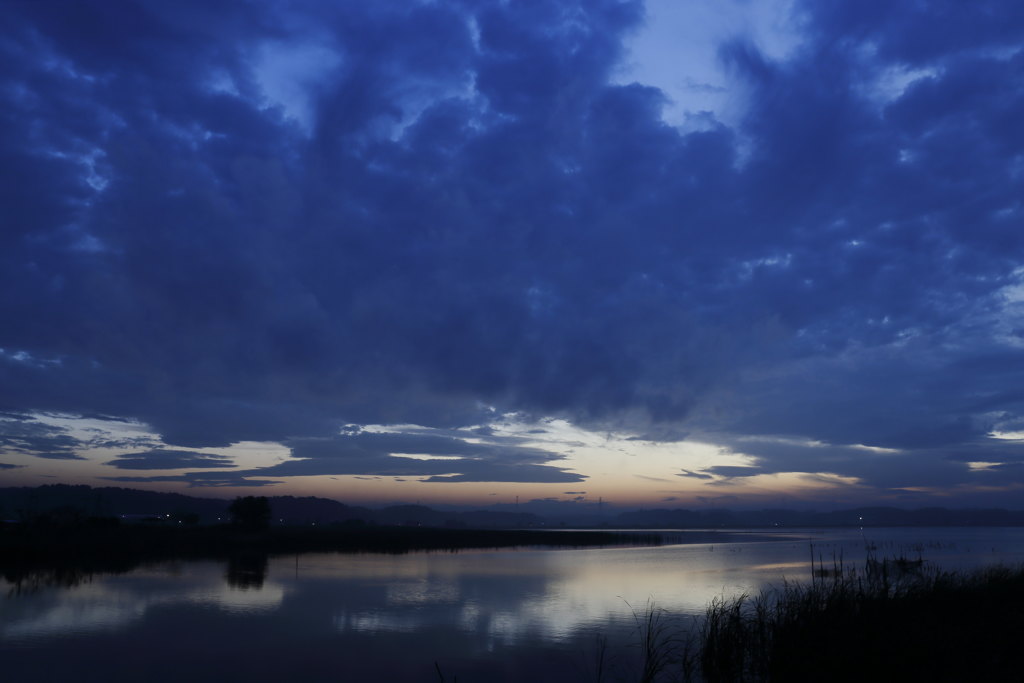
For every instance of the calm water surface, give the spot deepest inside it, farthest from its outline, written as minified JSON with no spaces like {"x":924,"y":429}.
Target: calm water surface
{"x":508,"y":615}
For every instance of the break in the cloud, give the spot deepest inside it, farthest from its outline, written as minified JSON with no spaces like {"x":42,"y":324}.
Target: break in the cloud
{"x":265,"y":223}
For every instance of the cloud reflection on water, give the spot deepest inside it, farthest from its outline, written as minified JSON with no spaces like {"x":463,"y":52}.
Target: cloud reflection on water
{"x":110,"y":603}
{"x":484,"y":615}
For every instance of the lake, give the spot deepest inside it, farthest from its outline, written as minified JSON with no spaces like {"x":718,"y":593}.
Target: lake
{"x":503,"y":615}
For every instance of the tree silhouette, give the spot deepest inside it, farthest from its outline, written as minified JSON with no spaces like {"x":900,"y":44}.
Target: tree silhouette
{"x":250,"y":512}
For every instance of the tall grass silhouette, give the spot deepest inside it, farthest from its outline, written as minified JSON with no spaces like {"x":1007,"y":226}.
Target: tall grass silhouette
{"x":892,"y":619}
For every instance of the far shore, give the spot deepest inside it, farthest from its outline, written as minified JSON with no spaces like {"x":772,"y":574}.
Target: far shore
{"x":66,"y":554}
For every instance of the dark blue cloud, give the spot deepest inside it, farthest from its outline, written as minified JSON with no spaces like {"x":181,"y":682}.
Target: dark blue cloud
{"x":168,"y":459}
{"x":201,"y":480}
{"x":449,"y":458}
{"x":919,"y":33}
{"x":25,"y":435}
{"x":437,"y":456}
{"x":267,"y":223}
{"x":696,"y":475}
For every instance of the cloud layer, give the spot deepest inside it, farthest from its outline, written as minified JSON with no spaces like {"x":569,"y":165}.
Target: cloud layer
{"x":267,"y":223}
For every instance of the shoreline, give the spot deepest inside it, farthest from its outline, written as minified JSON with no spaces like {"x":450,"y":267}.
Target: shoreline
{"x":55,"y":547}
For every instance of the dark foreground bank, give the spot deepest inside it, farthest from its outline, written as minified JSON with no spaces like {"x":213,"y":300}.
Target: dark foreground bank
{"x":893,"y":620}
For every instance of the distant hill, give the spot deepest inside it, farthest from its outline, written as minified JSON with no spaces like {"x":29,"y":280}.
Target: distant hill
{"x":82,"y":501}
{"x":26,"y":502}
{"x":292,"y":510}
{"x":867,"y":516}
{"x":420,"y":515}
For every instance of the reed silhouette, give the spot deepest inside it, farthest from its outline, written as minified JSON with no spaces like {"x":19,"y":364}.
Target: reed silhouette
{"x":894,"y":619}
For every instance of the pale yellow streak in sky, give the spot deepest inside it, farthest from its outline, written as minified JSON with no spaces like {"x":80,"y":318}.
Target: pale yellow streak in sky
{"x":252,"y":454}
{"x":620,"y":469}
{"x":1007,"y":436}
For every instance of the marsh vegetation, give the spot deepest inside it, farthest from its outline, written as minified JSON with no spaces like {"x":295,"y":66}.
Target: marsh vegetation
{"x":896,"y":619}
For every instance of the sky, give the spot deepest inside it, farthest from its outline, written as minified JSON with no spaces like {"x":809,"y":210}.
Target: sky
{"x":680,"y":253}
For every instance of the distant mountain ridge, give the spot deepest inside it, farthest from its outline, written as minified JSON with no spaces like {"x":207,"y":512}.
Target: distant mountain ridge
{"x":23,"y":503}
{"x":864,"y":516}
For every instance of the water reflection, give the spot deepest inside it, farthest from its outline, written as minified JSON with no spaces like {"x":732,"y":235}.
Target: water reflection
{"x":246,"y":570}
{"x":22,"y":581}
{"x":483,"y":615}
